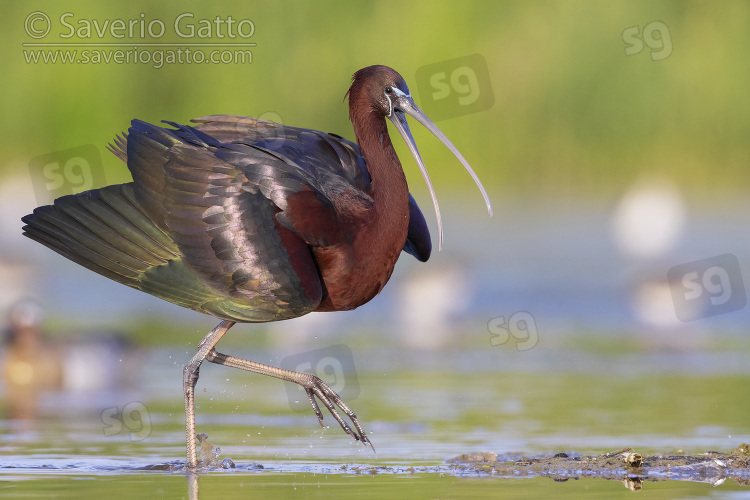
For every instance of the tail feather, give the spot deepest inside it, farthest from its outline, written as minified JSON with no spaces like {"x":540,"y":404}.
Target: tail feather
{"x":124,"y":203}
{"x":101,"y":230}
{"x":93,"y":233}
{"x":120,"y":147}
{"x":107,"y":231}
{"x":125,"y":240}
{"x":60,"y":241}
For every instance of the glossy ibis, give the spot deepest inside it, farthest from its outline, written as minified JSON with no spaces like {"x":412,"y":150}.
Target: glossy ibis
{"x":252,"y":221}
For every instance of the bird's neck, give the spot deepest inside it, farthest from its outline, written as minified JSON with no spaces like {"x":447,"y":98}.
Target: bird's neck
{"x":388,"y":189}
{"x":378,"y":245}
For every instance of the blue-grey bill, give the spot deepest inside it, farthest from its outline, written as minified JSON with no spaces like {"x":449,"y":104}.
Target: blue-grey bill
{"x":399,"y":120}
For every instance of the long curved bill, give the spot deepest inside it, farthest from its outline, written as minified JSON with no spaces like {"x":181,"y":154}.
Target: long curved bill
{"x":403,"y":103}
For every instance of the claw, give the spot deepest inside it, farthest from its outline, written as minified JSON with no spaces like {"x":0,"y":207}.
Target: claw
{"x":316,"y":387}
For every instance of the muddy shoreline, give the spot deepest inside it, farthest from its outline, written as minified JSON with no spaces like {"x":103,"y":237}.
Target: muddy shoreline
{"x":625,"y":465}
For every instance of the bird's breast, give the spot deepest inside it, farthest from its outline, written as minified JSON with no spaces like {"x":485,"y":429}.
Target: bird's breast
{"x":356,"y":271}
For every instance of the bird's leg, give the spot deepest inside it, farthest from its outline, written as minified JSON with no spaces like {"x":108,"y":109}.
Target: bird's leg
{"x":190,"y":378}
{"x":312,"y":385}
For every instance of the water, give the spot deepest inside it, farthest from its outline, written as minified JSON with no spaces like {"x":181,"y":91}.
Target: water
{"x":418,"y":415}
{"x":540,"y":337}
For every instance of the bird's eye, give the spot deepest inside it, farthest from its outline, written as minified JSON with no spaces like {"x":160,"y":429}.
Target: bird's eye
{"x":388,"y":90}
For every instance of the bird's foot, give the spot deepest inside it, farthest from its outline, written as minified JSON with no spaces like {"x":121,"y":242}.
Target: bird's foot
{"x":315,"y":387}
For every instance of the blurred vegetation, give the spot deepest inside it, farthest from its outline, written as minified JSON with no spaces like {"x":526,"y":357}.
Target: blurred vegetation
{"x":573,"y":114}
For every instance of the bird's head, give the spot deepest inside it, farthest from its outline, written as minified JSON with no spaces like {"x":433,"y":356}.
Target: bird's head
{"x":387,"y":94}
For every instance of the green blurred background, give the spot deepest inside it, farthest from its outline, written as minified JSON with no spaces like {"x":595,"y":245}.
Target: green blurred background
{"x":573,"y":115}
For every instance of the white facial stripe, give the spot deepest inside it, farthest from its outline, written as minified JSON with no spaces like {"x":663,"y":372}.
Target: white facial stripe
{"x":399,"y":93}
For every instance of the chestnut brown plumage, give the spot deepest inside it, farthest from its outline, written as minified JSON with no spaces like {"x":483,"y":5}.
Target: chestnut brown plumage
{"x":251,"y":221}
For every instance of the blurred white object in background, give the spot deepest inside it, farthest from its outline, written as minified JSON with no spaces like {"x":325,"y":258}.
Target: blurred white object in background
{"x":17,"y":258}
{"x":649,"y":218}
{"x":431,"y":300}
{"x":647,"y":224}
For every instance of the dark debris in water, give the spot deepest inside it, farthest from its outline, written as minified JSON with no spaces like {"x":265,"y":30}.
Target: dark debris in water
{"x":179,"y":466}
{"x":622,"y":465}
